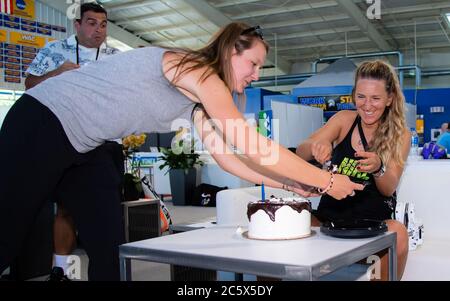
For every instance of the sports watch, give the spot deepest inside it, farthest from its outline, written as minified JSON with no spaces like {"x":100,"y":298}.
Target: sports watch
{"x":380,"y":172}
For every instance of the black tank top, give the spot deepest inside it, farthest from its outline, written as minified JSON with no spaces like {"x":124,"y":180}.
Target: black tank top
{"x":368,"y":203}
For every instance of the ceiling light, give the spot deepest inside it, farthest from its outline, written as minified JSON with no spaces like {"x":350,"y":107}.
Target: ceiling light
{"x":112,"y":42}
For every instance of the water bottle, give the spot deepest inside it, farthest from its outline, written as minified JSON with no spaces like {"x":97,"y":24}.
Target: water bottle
{"x":414,"y":143}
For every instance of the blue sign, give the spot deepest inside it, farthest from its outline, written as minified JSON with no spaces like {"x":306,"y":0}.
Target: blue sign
{"x":44,"y":25}
{"x":11,"y":18}
{"x":28,"y":28}
{"x":328,"y":102}
{"x":13,"y":53}
{"x":11,"y":46}
{"x":29,"y":49}
{"x":20,"y":4}
{"x":44,"y":31}
{"x":11,"y":25}
{"x":28,"y":22}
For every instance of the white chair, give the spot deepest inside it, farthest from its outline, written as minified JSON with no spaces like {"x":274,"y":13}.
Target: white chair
{"x":425,"y":183}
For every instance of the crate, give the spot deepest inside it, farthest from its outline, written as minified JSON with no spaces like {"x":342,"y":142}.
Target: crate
{"x":142,"y":220}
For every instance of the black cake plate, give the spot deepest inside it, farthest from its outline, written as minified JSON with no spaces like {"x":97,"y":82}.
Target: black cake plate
{"x":358,"y":228}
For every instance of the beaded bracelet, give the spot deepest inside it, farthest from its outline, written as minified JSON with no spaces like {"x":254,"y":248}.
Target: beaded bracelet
{"x":330,"y":185}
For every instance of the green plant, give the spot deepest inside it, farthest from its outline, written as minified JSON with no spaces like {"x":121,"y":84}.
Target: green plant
{"x":180,"y":156}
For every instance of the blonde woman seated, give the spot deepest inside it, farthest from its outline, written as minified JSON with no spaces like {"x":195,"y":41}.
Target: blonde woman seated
{"x":370,"y":144}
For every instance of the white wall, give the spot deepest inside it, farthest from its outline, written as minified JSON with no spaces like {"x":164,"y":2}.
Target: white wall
{"x":47,"y":14}
{"x":296,"y":122}
{"x":3,"y":111}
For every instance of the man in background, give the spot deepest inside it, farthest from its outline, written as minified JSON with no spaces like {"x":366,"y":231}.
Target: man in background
{"x":444,"y":139}
{"x":444,"y":128}
{"x":87,"y":45}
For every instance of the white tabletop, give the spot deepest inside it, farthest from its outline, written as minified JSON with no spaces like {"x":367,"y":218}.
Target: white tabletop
{"x":225,"y":249}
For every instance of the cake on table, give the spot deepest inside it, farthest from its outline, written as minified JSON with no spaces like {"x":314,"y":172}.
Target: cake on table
{"x":279,"y":218}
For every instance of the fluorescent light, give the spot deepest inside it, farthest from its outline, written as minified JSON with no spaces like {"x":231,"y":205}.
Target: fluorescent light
{"x":112,"y":42}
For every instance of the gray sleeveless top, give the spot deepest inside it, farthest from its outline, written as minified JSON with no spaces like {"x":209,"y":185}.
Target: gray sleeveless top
{"x":114,"y":97}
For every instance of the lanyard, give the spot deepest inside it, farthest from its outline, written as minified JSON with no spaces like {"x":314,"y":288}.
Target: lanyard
{"x":78,"y":55}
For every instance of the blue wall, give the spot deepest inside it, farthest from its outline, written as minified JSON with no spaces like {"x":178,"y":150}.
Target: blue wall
{"x":322,"y":91}
{"x":427,"y":98}
{"x":255,"y":98}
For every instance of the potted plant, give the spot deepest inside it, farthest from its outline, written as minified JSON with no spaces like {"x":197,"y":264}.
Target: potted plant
{"x":181,"y":161}
{"x":132,"y":187}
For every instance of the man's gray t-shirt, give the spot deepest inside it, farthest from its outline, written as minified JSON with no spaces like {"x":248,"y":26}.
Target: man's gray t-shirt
{"x":123,"y":94}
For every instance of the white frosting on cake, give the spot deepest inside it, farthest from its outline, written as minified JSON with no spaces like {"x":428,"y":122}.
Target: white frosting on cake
{"x":288,"y":224}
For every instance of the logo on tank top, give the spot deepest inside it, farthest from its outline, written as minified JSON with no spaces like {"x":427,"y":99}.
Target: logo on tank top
{"x":348,"y":168}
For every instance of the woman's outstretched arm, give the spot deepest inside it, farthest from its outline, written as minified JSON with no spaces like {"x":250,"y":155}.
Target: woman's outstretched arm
{"x":218,"y":103}
{"x":237,"y":164}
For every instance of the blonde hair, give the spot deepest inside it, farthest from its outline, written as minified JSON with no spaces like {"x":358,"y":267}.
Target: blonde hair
{"x":387,"y":142}
{"x":216,"y":55}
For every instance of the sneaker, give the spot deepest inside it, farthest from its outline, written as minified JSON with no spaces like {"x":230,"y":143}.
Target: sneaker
{"x":57,"y":275}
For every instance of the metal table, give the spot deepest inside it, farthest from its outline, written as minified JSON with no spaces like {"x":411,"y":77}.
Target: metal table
{"x":225,"y":249}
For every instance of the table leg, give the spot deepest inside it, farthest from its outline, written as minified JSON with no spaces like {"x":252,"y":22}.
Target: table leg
{"x":125,"y":269}
{"x":393,"y":261}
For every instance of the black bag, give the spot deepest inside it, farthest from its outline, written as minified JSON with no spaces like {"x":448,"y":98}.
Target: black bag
{"x":132,"y":188}
{"x":205,"y":195}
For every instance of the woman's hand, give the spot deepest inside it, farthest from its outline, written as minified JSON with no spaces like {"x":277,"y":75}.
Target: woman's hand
{"x":321,"y":151}
{"x":369,"y":163}
{"x":343,"y":187}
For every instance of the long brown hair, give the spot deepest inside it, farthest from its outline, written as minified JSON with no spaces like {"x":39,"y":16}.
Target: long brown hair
{"x":387,"y":142}
{"x":216,"y":55}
